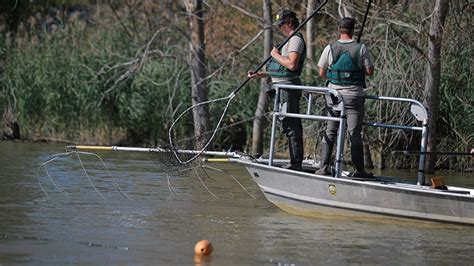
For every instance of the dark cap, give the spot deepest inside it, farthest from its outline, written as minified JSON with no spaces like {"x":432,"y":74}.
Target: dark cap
{"x":347,"y":23}
{"x":283,"y":16}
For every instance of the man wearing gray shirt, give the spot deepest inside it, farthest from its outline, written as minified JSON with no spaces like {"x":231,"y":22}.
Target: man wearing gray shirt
{"x":345,"y":64}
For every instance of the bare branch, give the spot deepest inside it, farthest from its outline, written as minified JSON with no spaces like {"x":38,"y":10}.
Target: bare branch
{"x":15,"y":5}
{"x":119,"y":19}
{"x":231,"y":56}
{"x":411,"y":44}
{"x":136,"y":65}
{"x":246,"y":12}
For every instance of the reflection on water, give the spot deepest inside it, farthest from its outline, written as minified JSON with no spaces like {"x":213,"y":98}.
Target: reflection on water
{"x":159,"y":225}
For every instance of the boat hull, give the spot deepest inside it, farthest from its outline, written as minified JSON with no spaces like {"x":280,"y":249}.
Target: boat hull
{"x":307,"y":193}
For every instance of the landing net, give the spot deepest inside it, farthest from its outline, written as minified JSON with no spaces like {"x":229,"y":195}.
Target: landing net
{"x":172,"y":159}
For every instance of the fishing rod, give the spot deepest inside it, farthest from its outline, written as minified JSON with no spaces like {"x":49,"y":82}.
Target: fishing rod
{"x":229,"y":97}
{"x":281,"y":45}
{"x":448,"y":153}
{"x":364,"y":20}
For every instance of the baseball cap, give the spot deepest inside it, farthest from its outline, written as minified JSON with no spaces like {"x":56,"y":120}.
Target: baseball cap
{"x":283,"y":16}
{"x":347,"y":23}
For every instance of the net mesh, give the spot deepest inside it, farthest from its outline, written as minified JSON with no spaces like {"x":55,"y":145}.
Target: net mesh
{"x":168,"y":162}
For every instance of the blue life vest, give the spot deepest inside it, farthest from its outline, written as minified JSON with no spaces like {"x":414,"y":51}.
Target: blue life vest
{"x":275,"y":69}
{"x":345,"y":69}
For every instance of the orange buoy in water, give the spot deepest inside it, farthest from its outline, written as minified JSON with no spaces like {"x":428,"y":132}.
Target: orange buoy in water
{"x":203,"y":248}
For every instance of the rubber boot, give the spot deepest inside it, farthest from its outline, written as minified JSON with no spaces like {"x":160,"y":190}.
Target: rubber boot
{"x":357,"y":157}
{"x":324,"y":164}
{"x":295,"y":147}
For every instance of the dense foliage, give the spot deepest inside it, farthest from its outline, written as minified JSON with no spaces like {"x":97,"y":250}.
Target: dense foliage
{"x":116,"y":73}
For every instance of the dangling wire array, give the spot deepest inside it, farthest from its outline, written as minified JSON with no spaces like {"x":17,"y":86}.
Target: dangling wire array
{"x":68,"y":154}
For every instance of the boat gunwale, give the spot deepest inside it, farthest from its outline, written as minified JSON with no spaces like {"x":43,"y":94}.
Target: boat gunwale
{"x":385,"y":185}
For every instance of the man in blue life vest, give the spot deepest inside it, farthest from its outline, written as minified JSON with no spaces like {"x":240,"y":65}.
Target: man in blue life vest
{"x":285,"y":67}
{"x":345,"y":64}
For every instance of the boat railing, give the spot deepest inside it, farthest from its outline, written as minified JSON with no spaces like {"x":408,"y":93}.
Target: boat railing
{"x":421,"y":114}
{"x":279,"y":112}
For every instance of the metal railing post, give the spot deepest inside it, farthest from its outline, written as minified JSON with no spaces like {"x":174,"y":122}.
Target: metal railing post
{"x":274,"y":118}
{"x":421,"y":164}
{"x":310,"y":102}
{"x":340,"y":142}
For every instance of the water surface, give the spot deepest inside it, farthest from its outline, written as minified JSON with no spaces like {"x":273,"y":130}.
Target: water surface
{"x":159,"y":225}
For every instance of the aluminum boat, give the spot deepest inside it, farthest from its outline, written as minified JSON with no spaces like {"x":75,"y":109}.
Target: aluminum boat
{"x":307,"y":193}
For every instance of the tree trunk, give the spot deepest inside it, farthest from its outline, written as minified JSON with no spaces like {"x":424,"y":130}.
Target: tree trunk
{"x":259,"y":122}
{"x":198,"y":70}
{"x":345,"y":8}
{"x":11,"y":128}
{"x":433,"y":74}
{"x":381,"y":163}
{"x":310,"y":38}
